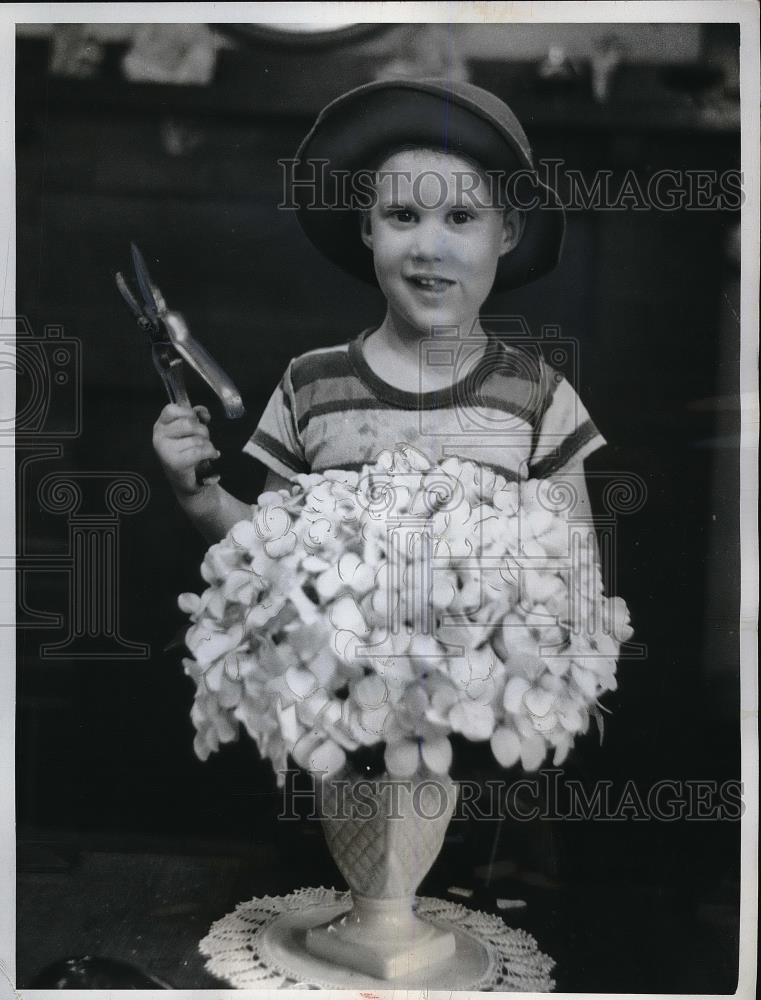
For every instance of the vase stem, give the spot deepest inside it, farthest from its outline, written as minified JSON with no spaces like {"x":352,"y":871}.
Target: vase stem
{"x":381,"y":937}
{"x":380,"y":918}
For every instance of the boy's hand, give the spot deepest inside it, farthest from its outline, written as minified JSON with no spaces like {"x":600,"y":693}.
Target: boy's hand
{"x":181,"y":440}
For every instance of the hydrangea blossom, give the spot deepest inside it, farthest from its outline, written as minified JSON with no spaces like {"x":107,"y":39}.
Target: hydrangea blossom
{"x":399,"y":605}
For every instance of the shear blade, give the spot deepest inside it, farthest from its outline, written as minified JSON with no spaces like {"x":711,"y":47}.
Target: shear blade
{"x":128,"y":297}
{"x":144,"y":280}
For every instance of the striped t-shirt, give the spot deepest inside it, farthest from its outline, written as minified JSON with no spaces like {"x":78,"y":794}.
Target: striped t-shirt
{"x":511,"y":411}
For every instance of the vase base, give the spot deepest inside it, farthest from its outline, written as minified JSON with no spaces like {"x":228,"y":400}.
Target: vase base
{"x":283,"y":946}
{"x":418,"y":945}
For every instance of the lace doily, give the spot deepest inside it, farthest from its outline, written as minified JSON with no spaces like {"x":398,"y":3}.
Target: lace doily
{"x":251,"y":947}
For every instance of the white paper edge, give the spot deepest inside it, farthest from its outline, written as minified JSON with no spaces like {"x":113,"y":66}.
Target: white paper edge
{"x":743,"y":11}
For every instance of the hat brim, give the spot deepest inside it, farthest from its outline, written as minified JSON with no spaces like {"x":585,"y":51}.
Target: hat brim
{"x":353,"y":132}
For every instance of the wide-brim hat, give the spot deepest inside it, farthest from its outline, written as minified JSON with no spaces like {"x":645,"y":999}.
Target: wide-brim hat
{"x":353,"y":132}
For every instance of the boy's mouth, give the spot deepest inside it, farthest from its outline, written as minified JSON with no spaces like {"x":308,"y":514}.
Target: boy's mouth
{"x":429,"y":282}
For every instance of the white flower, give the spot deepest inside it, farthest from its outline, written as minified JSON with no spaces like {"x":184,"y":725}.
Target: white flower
{"x":535,"y":700}
{"x":368,"y":709}
{"x":411,"y":743}
{"x":467,"y":474}
{"x":208,"y":642}
{"x":213,"y":723}
{"x":592,"y":671}
{"x":349,"y":575}
{"x":507,"y":499}
{"x":508,"y":746}
{"x":616,"y":619}
{"x":322,"y":757}
{"x":318,"y":635}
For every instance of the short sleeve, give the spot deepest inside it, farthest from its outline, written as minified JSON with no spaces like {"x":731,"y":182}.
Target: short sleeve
{"x":276,"y":442}
{"x":565,"y":433}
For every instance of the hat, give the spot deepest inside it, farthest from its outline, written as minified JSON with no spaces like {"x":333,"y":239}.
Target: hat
{"x":355,"y":130}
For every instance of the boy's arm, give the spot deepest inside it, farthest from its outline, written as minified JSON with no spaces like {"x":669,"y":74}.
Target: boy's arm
{"x":583,"y":515}
{"x":276,"y":482}
{"x":213,"y":510}
{"x":574,"y":476}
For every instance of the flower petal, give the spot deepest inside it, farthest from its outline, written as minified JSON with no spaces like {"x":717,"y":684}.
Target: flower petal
{"x":562,"y":748}
{"x":290,"y":729}
{"x":569,"y":716}
{"x":371,"y":692}
{"x":345,"y":614}
{"x":515,"y":690}
{"x":305,"y":746}
{"x":437,"y":755}
{"x":373,"y":721}
{"x":328,"y":584}
{"x":506,"y":746}
{"x":538,"y":701}
{"x":544,"y":723}
{"x":310,"y":707}
{"x":474,"y":721}
{"x":402,"y":758}
{"x":585,"y":679}
{"x":301,"y":682}
{"x":209,"y":645}
{"x":230,"y":692}
{"x":533,"y":751}
{"x":189,"y":603}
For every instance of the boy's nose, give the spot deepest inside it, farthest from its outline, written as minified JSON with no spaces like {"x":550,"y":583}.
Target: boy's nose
{"x":428,"y":242}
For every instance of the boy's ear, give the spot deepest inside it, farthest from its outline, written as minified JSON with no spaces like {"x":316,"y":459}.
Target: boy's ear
{"x":366,"y":229}
{"x":513,"y":223}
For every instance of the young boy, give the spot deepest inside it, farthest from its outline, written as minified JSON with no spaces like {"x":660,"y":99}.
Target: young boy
{"x":442,"y":206}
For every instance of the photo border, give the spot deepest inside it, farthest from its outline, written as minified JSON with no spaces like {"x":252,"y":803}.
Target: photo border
{"x":743,"y":12}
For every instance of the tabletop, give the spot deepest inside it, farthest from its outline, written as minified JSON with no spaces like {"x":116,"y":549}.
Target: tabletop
{"x":151,"y":909}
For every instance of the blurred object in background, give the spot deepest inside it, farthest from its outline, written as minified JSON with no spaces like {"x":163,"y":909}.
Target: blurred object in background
{"x":76,"y":51}
{"x":648,"y":43}
{"x":716,"y":76}
{"x":606,"y":58}
{"x":180,"y":138}
{"x":425,"y":50}
{"x":719,"y":49}
{"x":171,"y":53}
{"x":558,"y":73}
{"x":701,"y":83}
{"x":151,"y":53}
{"x":682,"y":76}
{"x":89,"y":972}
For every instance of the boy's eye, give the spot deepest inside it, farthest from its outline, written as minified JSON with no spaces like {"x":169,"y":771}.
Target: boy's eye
{"x":460,"y":216}
{"x":403,"y":215}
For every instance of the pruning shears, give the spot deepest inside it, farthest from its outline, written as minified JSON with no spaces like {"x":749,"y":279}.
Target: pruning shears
{"x":172,"y":345}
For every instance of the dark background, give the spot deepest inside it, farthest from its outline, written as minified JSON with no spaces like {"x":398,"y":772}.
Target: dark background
{"x":105,"y":760}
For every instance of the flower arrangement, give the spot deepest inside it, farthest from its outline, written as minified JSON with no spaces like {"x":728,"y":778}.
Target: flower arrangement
{"x":399,"y":605}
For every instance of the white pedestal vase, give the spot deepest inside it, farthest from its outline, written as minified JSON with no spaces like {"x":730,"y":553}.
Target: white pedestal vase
{"x":384,"y":835}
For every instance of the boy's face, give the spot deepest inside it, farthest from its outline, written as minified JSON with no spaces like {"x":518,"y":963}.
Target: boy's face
{"x":437,"y":235}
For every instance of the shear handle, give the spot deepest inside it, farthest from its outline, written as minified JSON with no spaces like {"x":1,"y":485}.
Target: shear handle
{"x":169,"y":367}
{"x":202,"y":362}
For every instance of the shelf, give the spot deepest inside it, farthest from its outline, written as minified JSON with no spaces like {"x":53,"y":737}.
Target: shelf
{"x":296,"y":86}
